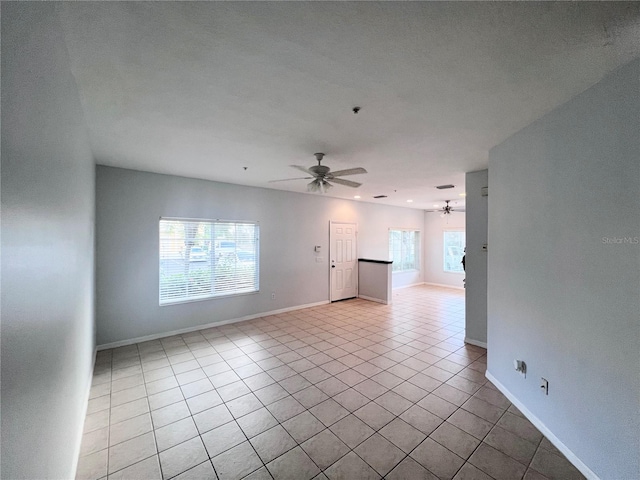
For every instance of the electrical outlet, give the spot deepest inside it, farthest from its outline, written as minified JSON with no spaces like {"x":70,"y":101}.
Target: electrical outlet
{"x":273,"y":295}
{"x":544,"y":386}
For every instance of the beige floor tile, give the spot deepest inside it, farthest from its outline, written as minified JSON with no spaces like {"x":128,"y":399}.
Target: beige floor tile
{"x":310,"y":396}
{"x":196,"y":388}
{"x":409,"y":469}
{"x":203,"y":402}
{"x":175,"y":433}
{"x":271,"y":393}
{"x":148,"y":469}
{"x":212,"y":418}
{"x":520,"y":426}
{"x":496,"y":464}
{"x":380,"y":454}
{"x":351,"y":399}
{"x":92,"y":466}
{"x":456,"y":440}
{"x":437,"y":459}
{"x":129,"y":410}
{"x":126,"y":430}
{"x":393,"y":402}
{"x":352,"y":431}
{"x":419,"y":418}
{"x":94,"y":441}
{"x":325,"y":448}
{"x":402,"y":435}
{"x":329,"y":412}
{"x":410,"y":391}
{"x":285,"y":409}
{"x":237,"y":462}
{"x":182,"y":457}
{"x":469,"y":472}
{"x":470,"y":423}
{"x":554,"y":467}
{"x":256,"y":382}
{"x":350,"y":467}
{"x":272,"y":443}
{"x":223,"y":438}
{"x":96,"y":421}
{"x":293,"y":465}
{"x":374,"y":415}
{"x":330,"y":359}
{"x":303,"y":426}
{"x":511,"y":444}
{"x":256,"y":422}
{"x":169,"y":414}
{"x":243,"y":405}
{"x":132,"y":451}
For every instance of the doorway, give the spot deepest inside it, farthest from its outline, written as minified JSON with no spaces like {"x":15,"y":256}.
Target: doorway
{"x":344,"y":260}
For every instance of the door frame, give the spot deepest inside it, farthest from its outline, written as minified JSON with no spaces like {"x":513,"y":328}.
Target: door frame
{"x":331,"y":224}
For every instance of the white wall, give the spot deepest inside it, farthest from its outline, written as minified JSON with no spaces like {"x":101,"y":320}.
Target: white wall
{"x":434,"y":227}
{"x":559,"y":296}
{"x":130,"y":203}
{"x":476,"y":258}
{"x":47,"y":249}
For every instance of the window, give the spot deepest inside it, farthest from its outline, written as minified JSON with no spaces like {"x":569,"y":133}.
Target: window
{"x":454,"y":243}
{"x":201,"y":259}
{"x":404,"y":246}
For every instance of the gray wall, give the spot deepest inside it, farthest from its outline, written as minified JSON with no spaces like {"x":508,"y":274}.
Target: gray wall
{"x":476,"y":258}
{"x":47,"y":249}
{"x":560,"y":297}
{"x":434,"y":227}
{"x":130,"y":203}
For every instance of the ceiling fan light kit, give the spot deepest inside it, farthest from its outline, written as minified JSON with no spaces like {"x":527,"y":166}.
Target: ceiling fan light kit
{"x":321,"y":175}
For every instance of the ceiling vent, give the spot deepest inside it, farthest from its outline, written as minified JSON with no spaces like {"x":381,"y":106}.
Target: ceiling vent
{"x":444,"y":187}
{"x":380,"y":196}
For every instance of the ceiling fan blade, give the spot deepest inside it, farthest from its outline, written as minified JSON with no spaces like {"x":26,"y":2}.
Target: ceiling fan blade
{"x":458,"y":210}
{"x":303,"y":169}
{"x":346,"y":183}
{"x":348,"y":171}
{"x":287,"y":179}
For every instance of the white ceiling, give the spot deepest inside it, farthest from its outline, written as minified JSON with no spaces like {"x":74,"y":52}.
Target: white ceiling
{"x":204,"y":89}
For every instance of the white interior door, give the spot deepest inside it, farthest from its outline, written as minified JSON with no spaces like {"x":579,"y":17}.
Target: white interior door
{"x":344,"y":260}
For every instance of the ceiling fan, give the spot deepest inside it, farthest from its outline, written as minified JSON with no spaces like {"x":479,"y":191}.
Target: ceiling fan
{"x":321,"y":175}
{"x":447,"y":209}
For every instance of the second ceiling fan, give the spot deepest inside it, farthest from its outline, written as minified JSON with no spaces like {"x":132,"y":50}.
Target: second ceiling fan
{"x":321,"y":175}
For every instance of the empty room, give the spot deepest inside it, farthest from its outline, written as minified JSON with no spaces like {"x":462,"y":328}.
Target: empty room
{"x":320,"y":240}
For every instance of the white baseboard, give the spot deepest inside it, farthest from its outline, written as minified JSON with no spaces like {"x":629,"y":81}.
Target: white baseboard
{"x":477,"y":343}
{"x":371,"y":299}
{"x":586,"y":471}
{"x":407,"y":286}
{"x":85,"y":407}
{"x":155,"y":336}
{"x":443,"y":285}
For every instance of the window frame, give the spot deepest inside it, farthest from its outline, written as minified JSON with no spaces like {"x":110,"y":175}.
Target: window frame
{"x":255,"y":277}
{"x":444,"y":249}
{"x":417,"y":247}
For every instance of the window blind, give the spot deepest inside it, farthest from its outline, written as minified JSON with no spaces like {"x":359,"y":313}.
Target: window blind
{"x":201,"y":259}
{"x":404,"y":247}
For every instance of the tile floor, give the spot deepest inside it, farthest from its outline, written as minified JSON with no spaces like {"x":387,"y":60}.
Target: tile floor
{"x":351,"y":390}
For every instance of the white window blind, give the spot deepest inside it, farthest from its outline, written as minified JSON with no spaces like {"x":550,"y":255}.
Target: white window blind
{"x":404,"y":248}
{"x":201,"y":259}
{"x":454,"y":243}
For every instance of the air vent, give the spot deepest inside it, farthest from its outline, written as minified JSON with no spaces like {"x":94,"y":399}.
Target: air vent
{"x":444,"y":187}
{"x":380,"y":196}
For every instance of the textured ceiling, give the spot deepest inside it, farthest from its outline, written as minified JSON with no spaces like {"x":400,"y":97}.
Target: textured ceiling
{"x":204,"y":89}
